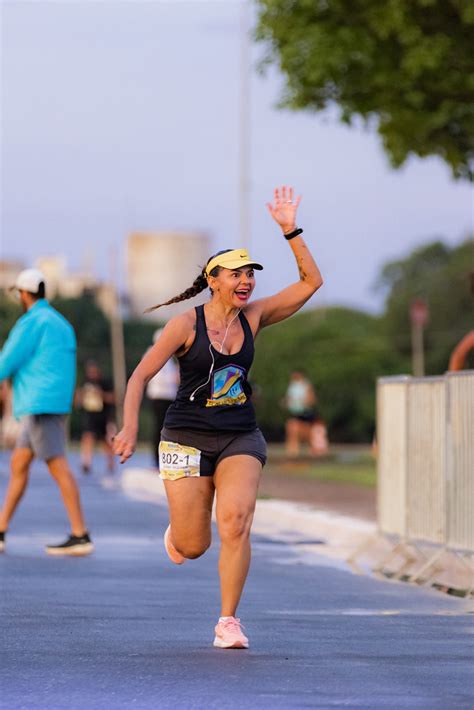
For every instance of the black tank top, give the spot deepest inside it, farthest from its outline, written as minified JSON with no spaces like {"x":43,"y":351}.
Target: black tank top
{"x":223,"y":404}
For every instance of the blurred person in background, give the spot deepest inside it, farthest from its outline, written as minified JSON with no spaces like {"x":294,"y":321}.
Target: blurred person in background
{"x":161,"y":391}
{"x":211,"y":445}
{"x":304,"y":423}
{"x":39,"y":355}
{"x":462,"y":357}
{"x":462,"y":353}
{"x":96,"y":401}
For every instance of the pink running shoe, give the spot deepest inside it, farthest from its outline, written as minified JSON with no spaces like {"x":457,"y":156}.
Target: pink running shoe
{"x":173,"y":553}
{"x":229,"y":634}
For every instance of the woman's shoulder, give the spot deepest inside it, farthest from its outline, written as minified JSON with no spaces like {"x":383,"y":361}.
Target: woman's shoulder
{"x":183,"y":320}
{"x":183,"y":326}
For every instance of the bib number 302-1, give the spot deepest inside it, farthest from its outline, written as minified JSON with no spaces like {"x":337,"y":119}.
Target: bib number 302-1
{"x":177,"y":461}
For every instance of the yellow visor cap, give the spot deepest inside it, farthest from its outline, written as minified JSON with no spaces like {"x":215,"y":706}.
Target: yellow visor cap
{"x":235,"y":259}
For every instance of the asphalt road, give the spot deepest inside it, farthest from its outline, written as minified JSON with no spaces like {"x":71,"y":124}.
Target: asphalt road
{"x":125,"y":628}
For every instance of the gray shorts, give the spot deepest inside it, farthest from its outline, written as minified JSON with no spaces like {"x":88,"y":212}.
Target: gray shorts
{"x":44,"y":434}
{"x":215,"y":446}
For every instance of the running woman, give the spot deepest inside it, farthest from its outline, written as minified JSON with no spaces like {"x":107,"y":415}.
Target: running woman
{"x":210,"y":443}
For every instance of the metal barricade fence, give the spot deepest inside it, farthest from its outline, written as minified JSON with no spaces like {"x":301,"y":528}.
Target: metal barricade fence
{"x":460,"y":460}
{"x":426,"y":454}
{"x":392,"y":398}
{"x":425,"y":431}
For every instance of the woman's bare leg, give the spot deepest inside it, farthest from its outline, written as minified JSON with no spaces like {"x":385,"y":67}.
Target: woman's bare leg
{"x":87,"y":450}
{"x":292,"y":443}
{"x":190,"y":508}
{"x":236,"y":480}
{"x":109,"y":455}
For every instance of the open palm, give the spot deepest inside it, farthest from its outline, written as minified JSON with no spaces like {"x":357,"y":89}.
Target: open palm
{"x":284,"y":207}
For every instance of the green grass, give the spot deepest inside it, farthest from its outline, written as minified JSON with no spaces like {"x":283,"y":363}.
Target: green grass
{"x":356,"y":466}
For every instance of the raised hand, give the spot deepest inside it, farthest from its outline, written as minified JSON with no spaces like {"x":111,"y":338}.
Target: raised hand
{"x":284,"y":208}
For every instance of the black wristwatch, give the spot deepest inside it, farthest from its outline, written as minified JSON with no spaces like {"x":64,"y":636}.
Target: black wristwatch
{"x":293,"y":234}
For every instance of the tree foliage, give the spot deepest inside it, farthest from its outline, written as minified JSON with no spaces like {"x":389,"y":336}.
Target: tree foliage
{"x":407,"y":64}
{"x":342,"y":351}
{"x":94,"y":342}
{"x":10,"y":311}
{"x":92,"y":332}
{"x":443,"y":277}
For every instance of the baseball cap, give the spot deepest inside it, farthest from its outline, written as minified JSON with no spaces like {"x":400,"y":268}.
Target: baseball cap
{"x":29,"y":280}
{"x":235,"y":259}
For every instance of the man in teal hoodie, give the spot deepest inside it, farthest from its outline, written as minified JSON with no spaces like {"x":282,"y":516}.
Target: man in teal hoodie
{"x":40,"y":357}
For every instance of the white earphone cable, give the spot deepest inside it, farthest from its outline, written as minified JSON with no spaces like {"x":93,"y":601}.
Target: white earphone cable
{"x":211,"y":345}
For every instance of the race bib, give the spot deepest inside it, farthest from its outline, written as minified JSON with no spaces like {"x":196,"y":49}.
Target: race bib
{"x":177,"y":461}
{"x":92,"y":398}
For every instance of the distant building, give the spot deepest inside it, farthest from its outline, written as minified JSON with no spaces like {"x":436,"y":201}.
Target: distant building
{"x":63,"y":283}
{"x":161,"y":265}
{"x":9,"y":270}
{"x":60,"y":282}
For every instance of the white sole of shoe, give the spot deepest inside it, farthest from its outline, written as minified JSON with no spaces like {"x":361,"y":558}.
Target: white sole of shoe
{"x":73,"y":551}
{"x":218,"y":643}
{"x":2,"y":547}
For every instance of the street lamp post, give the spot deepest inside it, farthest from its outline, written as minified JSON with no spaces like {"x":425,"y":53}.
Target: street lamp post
{"x":244,"y":127}
{"x":117,"y":343}
{"x":419,"y":318}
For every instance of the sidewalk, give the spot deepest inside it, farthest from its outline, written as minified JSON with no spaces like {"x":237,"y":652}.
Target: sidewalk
{"x":340,"y":498}
{"x":288,"y":478}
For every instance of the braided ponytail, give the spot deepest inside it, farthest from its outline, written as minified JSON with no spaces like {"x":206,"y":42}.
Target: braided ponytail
{"x":199,"y":284}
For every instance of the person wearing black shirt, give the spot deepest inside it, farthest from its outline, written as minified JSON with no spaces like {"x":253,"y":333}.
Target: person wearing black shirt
{"x":210,"y":443}
{"x":96,"y":401}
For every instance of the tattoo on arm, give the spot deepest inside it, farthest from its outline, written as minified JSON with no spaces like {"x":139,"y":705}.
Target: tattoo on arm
{"x":302,"y":272}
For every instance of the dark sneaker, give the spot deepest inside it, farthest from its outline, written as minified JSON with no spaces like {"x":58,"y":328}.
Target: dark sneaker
{"x":74,"y":546}
{"x":2,"y":541}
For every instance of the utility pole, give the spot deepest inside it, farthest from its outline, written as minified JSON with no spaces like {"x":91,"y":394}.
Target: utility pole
{"x":244,"y":126}
{"x":117,"y":342}
{"x":419,"y":318}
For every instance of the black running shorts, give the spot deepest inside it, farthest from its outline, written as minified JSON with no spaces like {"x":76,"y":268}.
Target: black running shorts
{"x":199,"y":452}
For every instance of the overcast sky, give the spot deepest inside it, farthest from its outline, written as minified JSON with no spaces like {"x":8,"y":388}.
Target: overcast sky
{"x":118,"y":116}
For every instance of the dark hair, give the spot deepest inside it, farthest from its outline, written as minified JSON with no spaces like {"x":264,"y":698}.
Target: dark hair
{"x":199,"y":284}
{"x":40,"y":293}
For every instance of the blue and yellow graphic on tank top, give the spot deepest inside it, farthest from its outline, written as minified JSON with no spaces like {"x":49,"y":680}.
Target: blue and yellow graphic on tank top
{"x":226,"y":387}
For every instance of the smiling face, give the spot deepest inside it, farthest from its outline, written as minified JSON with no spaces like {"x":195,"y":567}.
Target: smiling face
{"x":233,"y":286}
